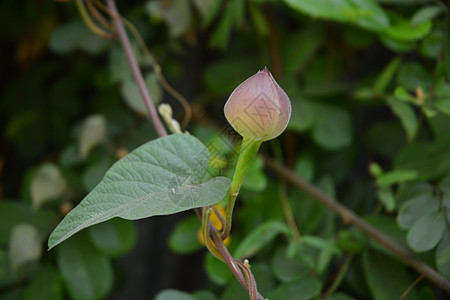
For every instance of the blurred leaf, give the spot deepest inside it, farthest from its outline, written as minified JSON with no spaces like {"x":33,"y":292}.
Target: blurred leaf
{"x":258,"y":20}
{"x":223,"y":76}
{"x":402,"y":94}
{"x":367,"y":14}
{"x":333,"y":129}
{"x":387,"y":198}
{"x":216,"y":270}
{"x":395,"y":45}
{"x":414,"y":208}
{"x":429,"y":159}
{"x":204,"y":295}
{"x":87,"y":273}
{"x":425,"y":14}
{"x":93,"y":132}
{"x":407,"y":116}
{"x":426,"y":233}
{"x":256,"y":179}
{"x":260,"y":237}
{"x":173,"y":294}
{"x":220,"y":36}
{"x":389,"y":226}
{"x":47,"y":285}
{"x":95,"y":171}
{"x":303,"y":115}
{"x":115,"y":237}
{"x":12,"y":214}
{"x":306,"y":288}
{"x":183,"y":238}
{"x":176,"y":13}
{"x":131,"y":190}
{"x":404,"y":30}
{"x":320,"y":243}
{"x":299,"y":48}
{"x":376,"y":265}
{"x":432,"y":44}
{"x":6,"y":274}
{"x":25,"y":245}
{"x":130,"y":92}
{"x":396,"y":176}
{"x":414,"y":75}
{"x":443,"y":254}
{"x":305,"y":167}
{"x":386,"y":76}
{"x":288,"y":269}
{"x":75,"y":35}
{"x":386,"y":138}
{"x":47,"y":183}
{"x":351,"y":241}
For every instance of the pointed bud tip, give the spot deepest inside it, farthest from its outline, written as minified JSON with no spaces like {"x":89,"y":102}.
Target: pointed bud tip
{"x":265,"y":70}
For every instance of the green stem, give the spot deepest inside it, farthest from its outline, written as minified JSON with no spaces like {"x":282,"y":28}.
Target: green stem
{"x":248,"y":151}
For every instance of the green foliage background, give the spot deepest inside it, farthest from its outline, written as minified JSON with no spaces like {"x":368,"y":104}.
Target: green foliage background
{"x":369,"y":85}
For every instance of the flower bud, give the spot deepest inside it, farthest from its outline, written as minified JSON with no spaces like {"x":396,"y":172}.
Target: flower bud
{"x":258,"y":109}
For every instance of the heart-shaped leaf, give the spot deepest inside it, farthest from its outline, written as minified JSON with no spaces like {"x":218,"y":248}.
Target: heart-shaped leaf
{"x":161,"y":177}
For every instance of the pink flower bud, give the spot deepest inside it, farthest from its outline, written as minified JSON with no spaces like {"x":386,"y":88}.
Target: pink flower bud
{"x":258,"y":108}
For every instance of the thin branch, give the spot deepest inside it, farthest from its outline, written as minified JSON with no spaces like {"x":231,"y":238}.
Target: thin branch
{"x":349,"y":217}
{"x":125,"y":41}
{"x":230,"y":261}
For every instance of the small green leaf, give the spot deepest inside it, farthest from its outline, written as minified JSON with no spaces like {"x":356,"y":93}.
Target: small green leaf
{"x":47,"y":183}
{"x":386,"y":76}
{"x":407,"y":116}
{"x":402,"y":94}
{"x":416,"y":207}
{"x":396,"y":176}
{"x":333,"y":128}
{"x":426,"y":233}
{"x":376,"y":265}
{"x":387,"y":198}
{"x":184,"y":238}
{"x":161,"y":177}
{"x":425,"y":14}
{"x":47,"y":285}
{"x":6,"y":273}
{"x":403,"y":30}
{"x":87,"y":273}
{"x":25,"y":245}
{"x":114,"y":237}
{"x":173,"y":295}
{"x":260,"y":237}
{"x":304,"y":289}
{"x":443,"y":255}
{"x":367,"y":14}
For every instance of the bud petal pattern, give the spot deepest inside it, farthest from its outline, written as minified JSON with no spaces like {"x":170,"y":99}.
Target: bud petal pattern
{"x":258,"y":109}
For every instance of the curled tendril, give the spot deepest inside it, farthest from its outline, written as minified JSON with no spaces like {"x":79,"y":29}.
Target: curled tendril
{"x":90,"y":23}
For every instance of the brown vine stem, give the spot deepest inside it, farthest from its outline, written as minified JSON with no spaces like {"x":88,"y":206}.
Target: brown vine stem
{"x":233,"y":265}
{"x":349,"y":217}
{"x":125,"y":41}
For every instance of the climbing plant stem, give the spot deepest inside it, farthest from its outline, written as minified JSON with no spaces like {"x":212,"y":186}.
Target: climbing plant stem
{"x":247,"y":153}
